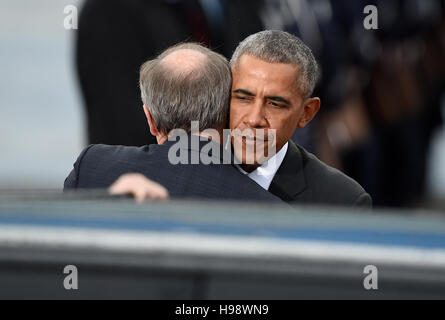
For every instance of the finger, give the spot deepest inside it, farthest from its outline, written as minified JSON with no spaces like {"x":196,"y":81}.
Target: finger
{"x":126,"y":183}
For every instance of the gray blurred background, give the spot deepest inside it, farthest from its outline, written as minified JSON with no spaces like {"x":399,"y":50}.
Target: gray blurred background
{"x":41,"y":118}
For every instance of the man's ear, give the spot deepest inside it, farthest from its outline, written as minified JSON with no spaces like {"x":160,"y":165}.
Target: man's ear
{"x":310,"y":109}
{"x":153,"y":129}
{"x":160,"y":137}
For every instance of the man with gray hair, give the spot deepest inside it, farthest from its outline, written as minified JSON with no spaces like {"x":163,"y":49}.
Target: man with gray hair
{"x":273,"y":77}
{"x":185,"y":83}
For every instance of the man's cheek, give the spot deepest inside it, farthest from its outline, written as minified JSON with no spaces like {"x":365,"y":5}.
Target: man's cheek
{"x":233,"y":117}
{"x":234,"y":121}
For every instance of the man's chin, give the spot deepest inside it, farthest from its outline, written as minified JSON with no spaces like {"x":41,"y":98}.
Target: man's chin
{"x":250,"y":159}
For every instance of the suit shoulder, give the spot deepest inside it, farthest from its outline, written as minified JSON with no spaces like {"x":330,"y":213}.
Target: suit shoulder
{"x":105,"y":159}
{"x":100,"y":165}
{"x":104,"y":151}
{"x":328,"y":180}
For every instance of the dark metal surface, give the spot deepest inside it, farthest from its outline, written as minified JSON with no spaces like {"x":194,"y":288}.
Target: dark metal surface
{"x":205,"y":250}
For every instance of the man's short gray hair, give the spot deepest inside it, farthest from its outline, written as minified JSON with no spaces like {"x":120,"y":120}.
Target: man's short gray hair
{"x":175,"y":98}
{"x":275,"y":46}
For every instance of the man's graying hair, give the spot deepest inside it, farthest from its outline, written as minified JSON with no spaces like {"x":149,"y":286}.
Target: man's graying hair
{"x":276,"y":46}
{"x":175,"y":97}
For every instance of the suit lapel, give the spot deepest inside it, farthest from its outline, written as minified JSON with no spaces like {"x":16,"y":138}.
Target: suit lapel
{"x":289,"y":181}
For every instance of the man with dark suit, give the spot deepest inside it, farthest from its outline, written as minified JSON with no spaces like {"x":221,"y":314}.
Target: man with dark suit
{"x":186,"y":82}
{"x":274,"y":75}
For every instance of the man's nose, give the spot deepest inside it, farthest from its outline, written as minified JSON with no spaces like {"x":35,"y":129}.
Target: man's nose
{"x":256,"y":118}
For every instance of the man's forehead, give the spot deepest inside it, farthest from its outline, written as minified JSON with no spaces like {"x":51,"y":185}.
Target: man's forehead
{"x":251,"y":71}
{"x":249,"y":65}
{"x":251,"y":59}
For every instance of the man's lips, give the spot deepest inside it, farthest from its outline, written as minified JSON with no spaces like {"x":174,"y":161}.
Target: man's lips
{"x":253,"y":136}
{"x":248,"y":137}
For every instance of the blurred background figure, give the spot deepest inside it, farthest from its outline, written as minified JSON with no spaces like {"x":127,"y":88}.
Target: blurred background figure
{"x":383,"y":102}
{"x":116,"y":36}
{"x":382,"y":91}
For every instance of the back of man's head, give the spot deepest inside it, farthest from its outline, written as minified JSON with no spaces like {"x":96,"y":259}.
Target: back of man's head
{"x":185,"y":83}
{"x":276,"y":46}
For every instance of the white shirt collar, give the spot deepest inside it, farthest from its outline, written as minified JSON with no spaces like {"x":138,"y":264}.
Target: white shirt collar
{"x":264,"y":175}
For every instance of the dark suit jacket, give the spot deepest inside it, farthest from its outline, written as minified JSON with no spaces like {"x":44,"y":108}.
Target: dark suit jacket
{"x":302,"y":178}
{"x":98,"y":166}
